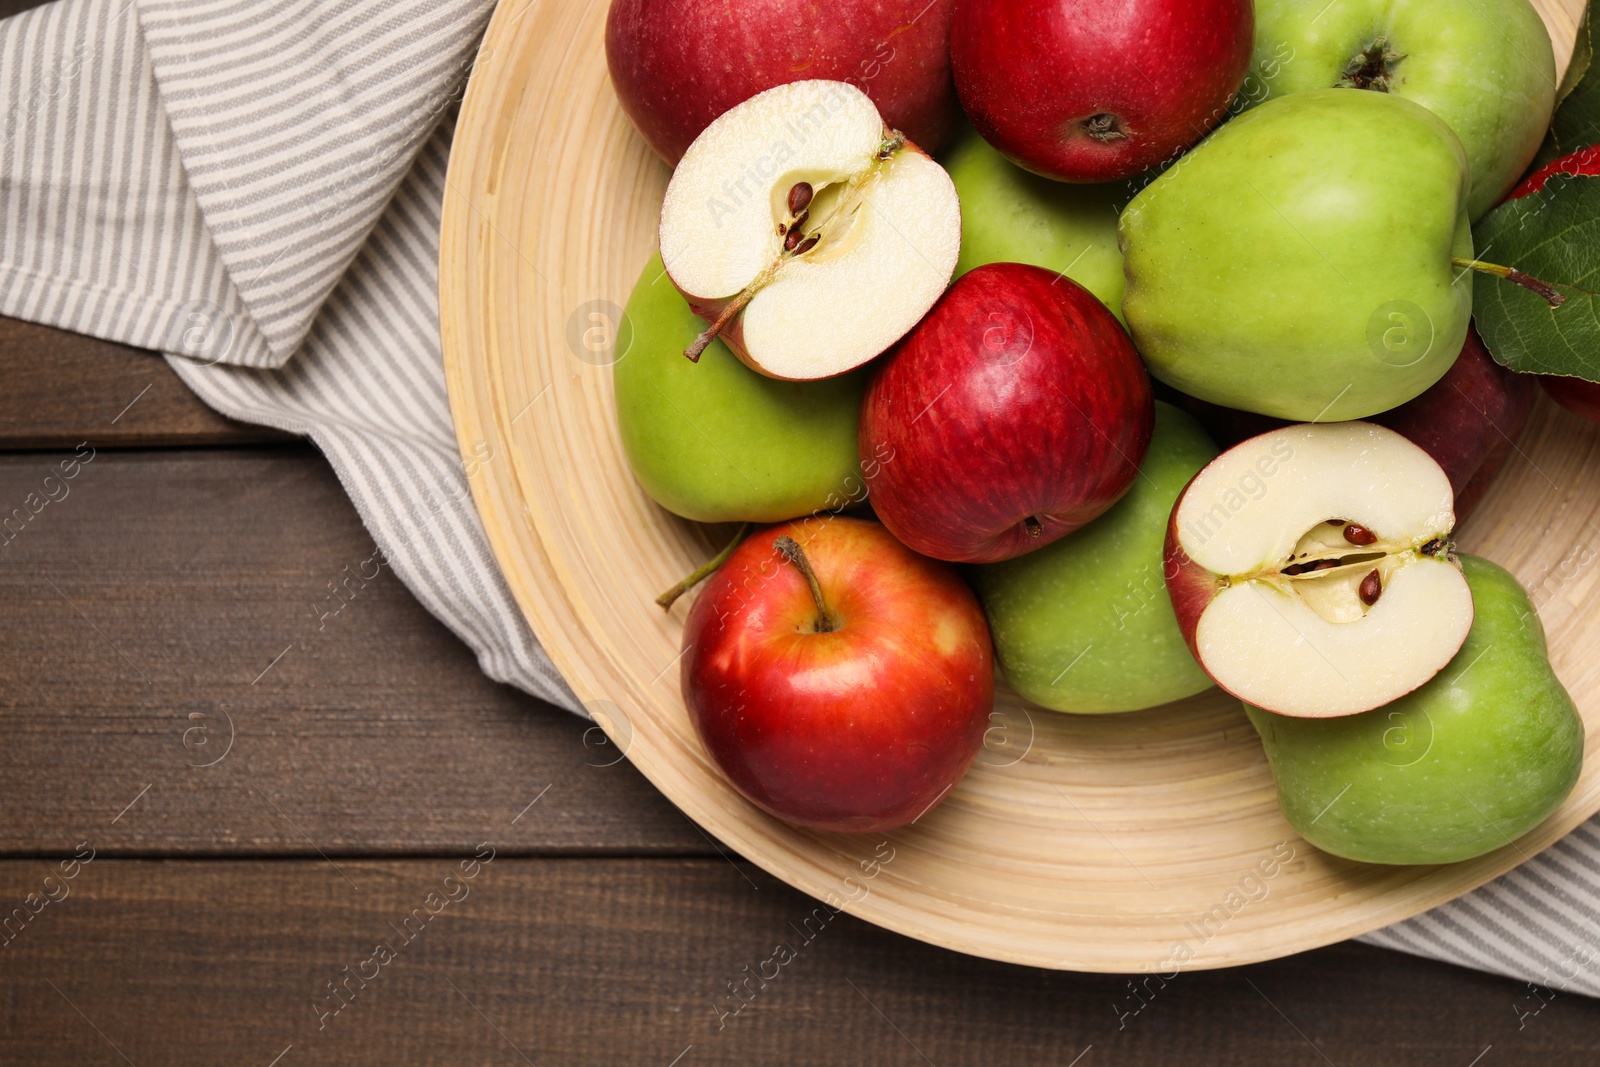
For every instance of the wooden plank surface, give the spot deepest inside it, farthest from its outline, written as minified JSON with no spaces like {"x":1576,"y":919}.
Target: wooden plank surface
{"x":62,"y":388}
{"x":161,"y":597}
{"x":555,"y":962}
{"x":146,"y":595}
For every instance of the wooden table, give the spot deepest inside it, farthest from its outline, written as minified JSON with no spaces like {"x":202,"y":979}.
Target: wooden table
{"x":271,"y":789}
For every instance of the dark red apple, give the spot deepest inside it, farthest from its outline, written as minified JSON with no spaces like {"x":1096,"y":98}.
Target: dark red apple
{"x":1576,"y":395}
{"x":837,"y":678}
{"x":1098,"y":90}
{"x":1015,"y":412}
{"x":1468,"y":421}
{"x":678,"y":64}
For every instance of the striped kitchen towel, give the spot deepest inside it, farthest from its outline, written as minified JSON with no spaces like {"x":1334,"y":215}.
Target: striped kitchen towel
{"x":242,"y":182}
{"x":253,"y":187}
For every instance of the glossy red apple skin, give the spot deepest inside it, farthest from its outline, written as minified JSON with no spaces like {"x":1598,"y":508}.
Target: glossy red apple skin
{"x":1030,"y":72}
{"x":1468,"y":421}
{"x":678,"y":64}
{"x":861,"y":729}
{"x":1578,"y":396}
{"x":1018,"y":395}
{"x":1189,"y":586}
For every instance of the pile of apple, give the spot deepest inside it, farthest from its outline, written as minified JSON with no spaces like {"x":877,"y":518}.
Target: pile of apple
{"x":1267,"y":209}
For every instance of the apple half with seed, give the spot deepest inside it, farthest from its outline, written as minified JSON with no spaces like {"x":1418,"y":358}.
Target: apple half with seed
{"x":809,"y":234}
{"x":1312,"y":569}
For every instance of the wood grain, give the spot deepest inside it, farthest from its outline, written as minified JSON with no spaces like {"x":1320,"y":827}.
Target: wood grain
{"x":628,"y":962}
{"x":63,"y":388}
{"x":1098,"y":848}
{"x":163,"y":596}
{"x":15,"y":7}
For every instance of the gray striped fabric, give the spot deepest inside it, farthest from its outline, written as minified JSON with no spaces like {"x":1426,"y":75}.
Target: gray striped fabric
{"x":239,"y":182}
{"x":263,"y":180}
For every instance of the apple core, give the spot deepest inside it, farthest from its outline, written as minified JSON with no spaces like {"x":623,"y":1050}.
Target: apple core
{"x":1312,"y":571}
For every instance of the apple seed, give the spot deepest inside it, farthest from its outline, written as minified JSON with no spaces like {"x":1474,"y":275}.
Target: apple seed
{"x":1359,"y":535}
{"x":1371,"y":589}
{"x":799,"y":197}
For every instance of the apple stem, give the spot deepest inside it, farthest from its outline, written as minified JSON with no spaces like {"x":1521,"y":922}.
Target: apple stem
{"x":736,"y":305}
{"x":704,"y":571}
{"x":827,"y":622}
{"x":1512,"y":274}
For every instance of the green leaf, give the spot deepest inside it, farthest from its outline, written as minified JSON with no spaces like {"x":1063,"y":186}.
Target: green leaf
{"x":1554,"y":235}
{"x":1577,"y":119}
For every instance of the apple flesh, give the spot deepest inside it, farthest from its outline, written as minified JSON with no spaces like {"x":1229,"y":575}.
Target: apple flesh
{"x":1268,"y":270}
{"x":1085,"y":625}
{"x":1015,"y":412}
{"x":806,"y":232}
{"x":1468,"y":763}
{"x":1312,"y":572}
{"x":857,"y":713}
{"x":717,"y":442}
{"x":678,"y":64}
{"x":1011,"y":216}
{"x":1485,"y":67}
{"x":1098,"y":90}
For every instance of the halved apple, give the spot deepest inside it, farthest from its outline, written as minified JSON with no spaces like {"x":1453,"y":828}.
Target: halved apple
{"x":1312,"y":571}
{"x":806,"y":232}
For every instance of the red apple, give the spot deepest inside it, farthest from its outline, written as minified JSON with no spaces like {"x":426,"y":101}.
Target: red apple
{"x":837,"y":678}
{"x":1468,"y":421}
{"x":1098,"y":90}
{"x":1576,"y":395}
{"x":678,"y":64}
{"x":1015,"y":412}
{"x":1311,"y":569}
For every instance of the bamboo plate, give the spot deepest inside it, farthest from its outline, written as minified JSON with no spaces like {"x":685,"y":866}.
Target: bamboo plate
{"x":1099,"y":844}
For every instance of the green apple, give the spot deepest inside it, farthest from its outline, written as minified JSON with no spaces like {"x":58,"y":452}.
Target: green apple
{"x":1011,"y":216}
{"x":1084,"y":624}
{"x":1470,"y":762}
{"x":716,"y":442}
{"x":1298,"y":262}
{"x":1483,"y":66}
